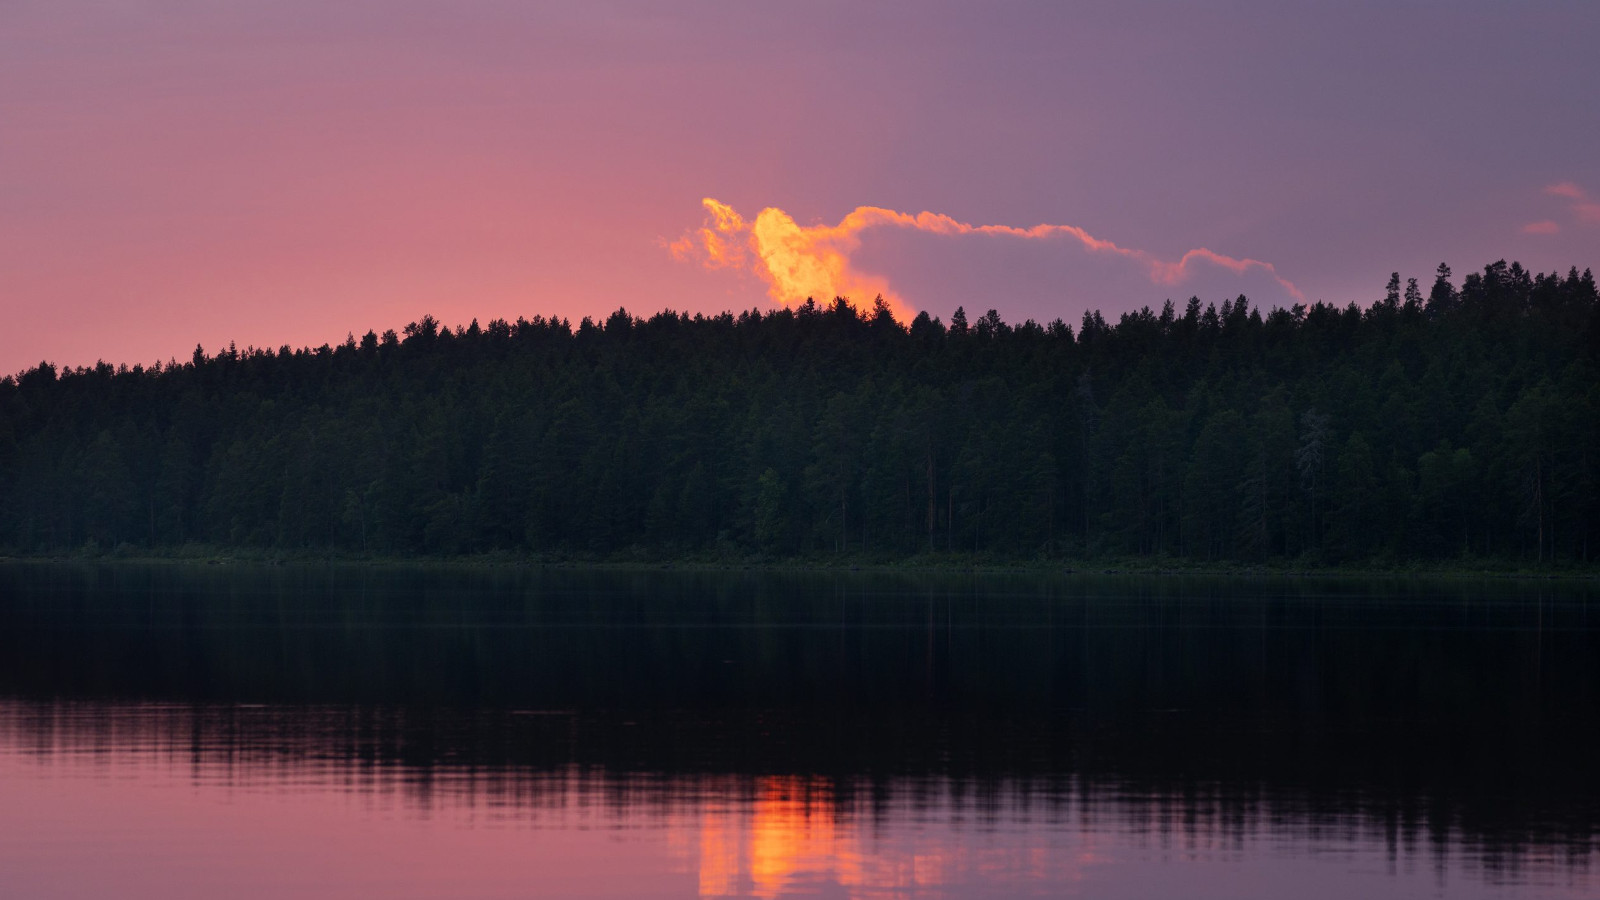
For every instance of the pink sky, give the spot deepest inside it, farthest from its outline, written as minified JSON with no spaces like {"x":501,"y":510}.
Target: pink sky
{"x":176,"y":173}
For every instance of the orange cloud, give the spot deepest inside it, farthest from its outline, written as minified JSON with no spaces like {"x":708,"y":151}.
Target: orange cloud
{"x":1545,"y":227}
{"x":795,"y":262}
{"x":799,"y":261}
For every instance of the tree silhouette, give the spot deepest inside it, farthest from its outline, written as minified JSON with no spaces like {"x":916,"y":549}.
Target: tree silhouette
{"x":1463,"y":424}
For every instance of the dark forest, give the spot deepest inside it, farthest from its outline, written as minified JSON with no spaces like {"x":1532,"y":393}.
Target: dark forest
{"x":1434,"y":425}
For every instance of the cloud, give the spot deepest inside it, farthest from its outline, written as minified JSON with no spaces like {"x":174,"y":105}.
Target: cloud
{"x":1582,"y":207}
{"x":1544,"y":227}
{"x":798,"y":262}
{"x":1567,"y":189}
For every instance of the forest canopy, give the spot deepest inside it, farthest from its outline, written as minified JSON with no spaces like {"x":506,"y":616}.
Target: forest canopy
{"x":1438,"y":424}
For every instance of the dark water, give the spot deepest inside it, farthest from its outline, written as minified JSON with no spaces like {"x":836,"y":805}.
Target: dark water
{"x":270,"y":732}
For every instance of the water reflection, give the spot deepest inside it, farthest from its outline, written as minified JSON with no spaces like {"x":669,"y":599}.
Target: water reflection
{"x":431,"y":733}
{"x":717,"y":834}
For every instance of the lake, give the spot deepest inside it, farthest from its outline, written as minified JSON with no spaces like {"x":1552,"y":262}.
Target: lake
{"x":336,"y":731}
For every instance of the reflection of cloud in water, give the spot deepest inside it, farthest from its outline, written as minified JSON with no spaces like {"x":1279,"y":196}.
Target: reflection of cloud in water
{"x":301,"y":777}
{"x":789,"y":838}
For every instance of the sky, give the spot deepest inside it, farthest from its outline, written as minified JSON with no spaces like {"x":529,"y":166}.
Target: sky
{"x":182,"y":172}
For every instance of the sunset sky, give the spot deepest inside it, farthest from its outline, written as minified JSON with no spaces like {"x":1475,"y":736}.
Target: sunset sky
{"x":174,"y":173}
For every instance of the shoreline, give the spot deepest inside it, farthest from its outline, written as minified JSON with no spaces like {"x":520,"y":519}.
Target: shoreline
{"x":956,"y":565}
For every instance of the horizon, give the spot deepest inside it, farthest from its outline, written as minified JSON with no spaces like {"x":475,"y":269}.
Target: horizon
{"x":601,"y":321}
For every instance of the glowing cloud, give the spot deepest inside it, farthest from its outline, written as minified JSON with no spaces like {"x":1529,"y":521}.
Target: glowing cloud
{"x":798,"y":262}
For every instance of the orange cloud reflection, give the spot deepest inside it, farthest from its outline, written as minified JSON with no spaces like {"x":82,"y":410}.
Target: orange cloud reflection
{"x":791,"y":838}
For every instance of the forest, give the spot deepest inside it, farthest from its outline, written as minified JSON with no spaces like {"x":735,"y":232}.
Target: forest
{"x":1439,"y":425}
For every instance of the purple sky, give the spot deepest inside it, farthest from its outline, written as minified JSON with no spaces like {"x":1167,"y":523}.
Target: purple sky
{"x":269,"y":173}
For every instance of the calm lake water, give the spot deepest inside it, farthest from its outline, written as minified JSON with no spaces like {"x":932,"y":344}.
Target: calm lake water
{"x":243,"y":732}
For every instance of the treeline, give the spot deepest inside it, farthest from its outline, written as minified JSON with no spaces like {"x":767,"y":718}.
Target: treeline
{"x":1460,"y":422}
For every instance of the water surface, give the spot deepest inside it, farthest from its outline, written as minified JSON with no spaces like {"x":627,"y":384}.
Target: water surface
{"x":264,"y":732}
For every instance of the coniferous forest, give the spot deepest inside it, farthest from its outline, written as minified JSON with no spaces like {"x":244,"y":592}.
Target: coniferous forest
{"x":1440,"y":424}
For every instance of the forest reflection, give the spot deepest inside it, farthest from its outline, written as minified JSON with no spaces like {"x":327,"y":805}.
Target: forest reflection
{"x":767,"y":734}
{"x":772,"y":834}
